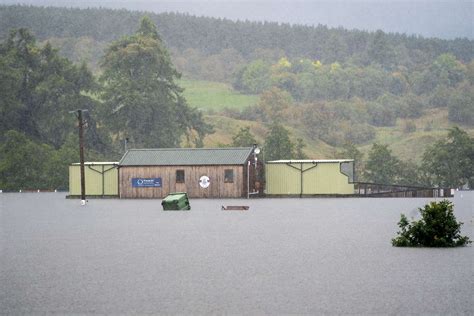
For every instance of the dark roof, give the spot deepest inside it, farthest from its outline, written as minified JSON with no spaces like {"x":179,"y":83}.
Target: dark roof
{"x":185,"y":156}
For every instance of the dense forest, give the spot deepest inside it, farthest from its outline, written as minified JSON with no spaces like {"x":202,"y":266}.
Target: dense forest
{"x":337,"y":86}
{"x":83,"y":32}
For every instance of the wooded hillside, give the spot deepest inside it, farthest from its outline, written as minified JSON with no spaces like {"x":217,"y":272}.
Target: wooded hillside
{"x":326,"y":92}
{"x":251,"y":40}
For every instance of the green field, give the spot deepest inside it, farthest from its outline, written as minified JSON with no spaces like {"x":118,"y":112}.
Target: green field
{"x":214,"y":96}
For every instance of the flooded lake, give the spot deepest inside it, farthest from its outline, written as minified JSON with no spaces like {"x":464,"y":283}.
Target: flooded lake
{"x":303,"y":256}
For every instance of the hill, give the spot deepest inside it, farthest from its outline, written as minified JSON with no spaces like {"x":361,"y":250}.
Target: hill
{"x":328,"y":87}
{"x":441,"y":19}
{"x":210,"y":36}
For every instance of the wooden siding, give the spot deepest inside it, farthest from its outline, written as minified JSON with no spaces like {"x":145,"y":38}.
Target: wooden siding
{"x":216,"y":189}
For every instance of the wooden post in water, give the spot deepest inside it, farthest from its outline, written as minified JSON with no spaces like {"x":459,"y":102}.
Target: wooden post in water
{"x":81,"y":152}
{"x":81,"y":157}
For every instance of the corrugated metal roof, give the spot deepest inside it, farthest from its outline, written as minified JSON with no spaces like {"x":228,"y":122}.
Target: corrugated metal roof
{"x":311,"y":161}
{"x":185,"y":156}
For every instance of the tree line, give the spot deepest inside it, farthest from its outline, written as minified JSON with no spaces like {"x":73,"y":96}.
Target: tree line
{"x":215,"y":42}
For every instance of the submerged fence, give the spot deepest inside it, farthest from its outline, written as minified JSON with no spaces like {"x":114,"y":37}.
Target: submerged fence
{"x":361,"y":189}
{"x":389,"y":190}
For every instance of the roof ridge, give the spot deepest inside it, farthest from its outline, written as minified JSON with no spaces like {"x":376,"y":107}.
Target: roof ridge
{"x":186,"y":156}
{"x":310,"y":160}
{"x":208,"y":148}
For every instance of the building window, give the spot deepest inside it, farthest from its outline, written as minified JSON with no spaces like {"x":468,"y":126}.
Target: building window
{"x":179,"y":176}
{"x":228,"y":175}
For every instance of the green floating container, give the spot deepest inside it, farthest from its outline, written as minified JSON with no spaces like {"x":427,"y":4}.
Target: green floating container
{"x":177,"y":201}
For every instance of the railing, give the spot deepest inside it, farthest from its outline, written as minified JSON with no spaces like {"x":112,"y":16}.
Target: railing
{"x":34,"y":190}
{"x":389,"y":190}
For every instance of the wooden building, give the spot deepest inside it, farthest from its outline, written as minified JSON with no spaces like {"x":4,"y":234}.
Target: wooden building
{"x":201,"y":172}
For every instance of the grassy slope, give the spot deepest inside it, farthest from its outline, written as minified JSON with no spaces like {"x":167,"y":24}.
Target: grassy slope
{"x":213,"y":96}
{"x":226,"y":127}
{"x":207,"y":95}
{"x":411,"y":146}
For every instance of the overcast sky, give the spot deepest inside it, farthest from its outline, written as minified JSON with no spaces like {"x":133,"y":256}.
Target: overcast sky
{"x":430,"y":18}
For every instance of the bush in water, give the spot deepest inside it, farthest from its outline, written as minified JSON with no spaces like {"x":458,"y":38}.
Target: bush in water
{"x":436,"y":228}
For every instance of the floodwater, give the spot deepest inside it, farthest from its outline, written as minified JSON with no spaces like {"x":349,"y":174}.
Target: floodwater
{"x":300,"y":256}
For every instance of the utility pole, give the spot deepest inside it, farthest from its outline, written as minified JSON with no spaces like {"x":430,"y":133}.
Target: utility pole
{"x":125,"y":143}
{"x":81,"y":153}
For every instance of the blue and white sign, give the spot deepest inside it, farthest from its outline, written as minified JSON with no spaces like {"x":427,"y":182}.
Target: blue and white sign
{"x":146,"y":182}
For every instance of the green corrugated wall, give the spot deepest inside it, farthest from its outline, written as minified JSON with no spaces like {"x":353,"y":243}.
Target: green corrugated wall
{"x":323,"y":178}
{"x":100,"y":179}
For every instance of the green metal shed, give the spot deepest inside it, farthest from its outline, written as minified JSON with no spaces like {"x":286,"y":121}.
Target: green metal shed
{"x":310,"y":177}
{"x":101,"y":179}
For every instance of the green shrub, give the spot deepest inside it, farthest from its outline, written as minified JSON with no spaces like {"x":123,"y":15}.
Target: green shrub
{"x":436,"y":228}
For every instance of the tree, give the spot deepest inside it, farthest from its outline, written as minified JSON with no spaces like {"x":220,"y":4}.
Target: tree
{"x":243,"y":138}
{"x":299,"y":153}
{"x":409,"y":174}
{"x":381,"y":166}
{"x":461,"y":106}
{"x":278,"y":144}
{"x":26,"y":164}
{"x":440,"y":96}
{"x":380,"y":51}
{"x":450,"y":162}
{"x":436,"y":228}
{"x":254,"y":77}
{"x":410,"y":107}
{"x":23,"y":162}
{"x":273,"y":103}
{"x":317,"y":120}
{"x":447,"y":70}
{"x":39,"y":88}
{"x":142,"y":100}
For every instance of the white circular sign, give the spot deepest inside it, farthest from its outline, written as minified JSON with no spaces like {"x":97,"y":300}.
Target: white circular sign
{"x":204,"y":182}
